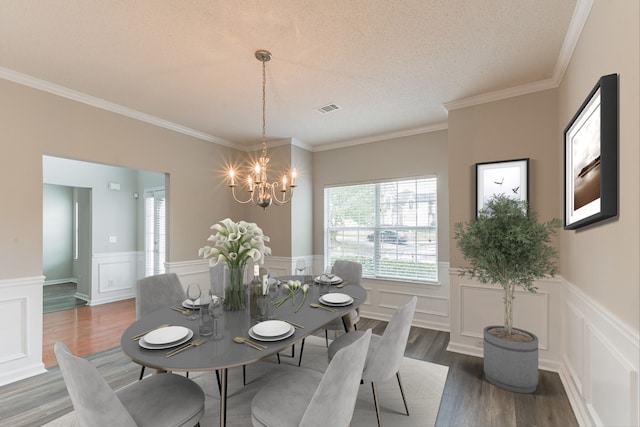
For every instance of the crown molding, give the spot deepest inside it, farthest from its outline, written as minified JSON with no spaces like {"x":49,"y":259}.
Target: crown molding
{"x":576,"y":25}
{"x":35,"y":83}
{"x":383,"y":137}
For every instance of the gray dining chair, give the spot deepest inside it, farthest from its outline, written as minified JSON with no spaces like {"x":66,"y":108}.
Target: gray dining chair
{"x":350,"y":272}
{"x":385,"y":352}
{"x":154,"y":292}
{"x":158,"y":400}
{"x":309,"y":398}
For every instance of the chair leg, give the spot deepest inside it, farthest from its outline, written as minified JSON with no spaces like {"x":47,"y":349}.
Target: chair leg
{"x":326,"y":337}
{"x":278,"y":355}
{"x":219,"y":384}
{"x":244,"y":374}
{"x":301,"y":350}
{"x":375,"y":402}
{"x":141,"y":373}
{"x":406,"y":408}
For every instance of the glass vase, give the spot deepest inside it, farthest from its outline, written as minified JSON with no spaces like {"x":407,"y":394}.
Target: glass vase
{"x":235,"y":291}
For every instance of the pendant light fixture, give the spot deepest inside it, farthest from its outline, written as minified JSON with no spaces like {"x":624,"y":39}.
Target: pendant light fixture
{"x":262,"y":192}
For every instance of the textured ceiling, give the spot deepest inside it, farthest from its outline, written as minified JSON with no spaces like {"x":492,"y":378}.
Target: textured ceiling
{"x":389,"y":65}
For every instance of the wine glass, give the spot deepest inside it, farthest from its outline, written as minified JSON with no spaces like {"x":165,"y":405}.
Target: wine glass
{"x":301,"y":266}
{"x":328,"y":273}
{"x":216,"y":309}
{"x":193,"y":293}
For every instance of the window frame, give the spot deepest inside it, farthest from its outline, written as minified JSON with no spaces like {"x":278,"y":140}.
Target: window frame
{"x":430,"y":245}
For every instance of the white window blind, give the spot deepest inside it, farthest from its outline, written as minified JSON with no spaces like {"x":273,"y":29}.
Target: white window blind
{"x":154,"y":231}
{"x":391,"y":228}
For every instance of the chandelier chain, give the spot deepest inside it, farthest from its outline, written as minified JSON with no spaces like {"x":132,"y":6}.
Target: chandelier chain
{"x":264,"y":110}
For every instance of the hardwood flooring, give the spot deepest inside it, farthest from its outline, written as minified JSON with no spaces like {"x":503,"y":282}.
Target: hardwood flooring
{"x":468,"y":400}
{"x":86,"y":330}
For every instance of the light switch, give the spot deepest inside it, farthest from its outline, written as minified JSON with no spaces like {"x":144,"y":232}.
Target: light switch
{"x":113,"y":239}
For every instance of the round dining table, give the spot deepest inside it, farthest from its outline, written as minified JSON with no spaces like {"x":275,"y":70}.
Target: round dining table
{"x":226,"y":353}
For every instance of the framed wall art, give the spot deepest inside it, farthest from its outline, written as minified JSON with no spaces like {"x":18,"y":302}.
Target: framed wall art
{"x":508,"y":177}
{"x":591,"y":157}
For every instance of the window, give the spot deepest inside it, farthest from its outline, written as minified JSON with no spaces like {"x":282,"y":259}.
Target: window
{"x":154,"y":231}
{"x":388,"y":227}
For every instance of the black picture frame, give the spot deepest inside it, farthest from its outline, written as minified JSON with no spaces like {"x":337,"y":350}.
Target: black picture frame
{"x":591,"y":157}
{"x":508,"y":177}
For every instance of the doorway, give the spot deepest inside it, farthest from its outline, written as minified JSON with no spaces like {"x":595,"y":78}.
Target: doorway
{"x":98,"y":240}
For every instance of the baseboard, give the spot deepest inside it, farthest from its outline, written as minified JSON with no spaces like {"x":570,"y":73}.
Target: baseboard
{"x":60,"y":281}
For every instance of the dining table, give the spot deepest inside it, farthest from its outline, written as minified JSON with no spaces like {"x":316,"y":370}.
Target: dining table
{"x":226,"y":353}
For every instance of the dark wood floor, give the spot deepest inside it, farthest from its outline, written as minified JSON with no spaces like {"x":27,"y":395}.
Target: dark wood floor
{"x":467,"y":400}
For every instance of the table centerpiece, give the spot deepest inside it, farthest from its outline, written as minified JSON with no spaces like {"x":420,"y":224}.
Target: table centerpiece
{"x":234,"y":243}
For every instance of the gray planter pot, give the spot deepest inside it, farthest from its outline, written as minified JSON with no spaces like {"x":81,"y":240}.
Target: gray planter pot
{"x":511,"y":365}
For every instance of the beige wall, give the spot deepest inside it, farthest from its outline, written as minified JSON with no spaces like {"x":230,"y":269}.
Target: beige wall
{"x":411,"y":156}
{"x":602,"y":260}
{"x":36,"y":123}
{"x":519,"y":127}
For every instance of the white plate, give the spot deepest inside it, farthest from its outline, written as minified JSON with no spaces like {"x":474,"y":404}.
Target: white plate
{"x":148,"y":346}
{"x":336,"y":298}
{"x":187,"y":304}
{"x":278,"y":338}
{"x":166,"y":335}
{"x":271,"y":328}
{"x":336,"y":305}
{"x":335,"y":280}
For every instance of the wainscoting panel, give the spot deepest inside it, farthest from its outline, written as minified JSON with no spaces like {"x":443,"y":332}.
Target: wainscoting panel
{"x":21,"y":307}
{"x":601,"y":361}
{"x":530,"y":312}
{"x":575,"y":345}
{"x":114,"y":277}
{"x":474,"y":306}
{"x":432,"y":308}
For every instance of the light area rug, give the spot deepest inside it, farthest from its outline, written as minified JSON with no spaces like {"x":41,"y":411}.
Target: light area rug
{"x":423,"y":384}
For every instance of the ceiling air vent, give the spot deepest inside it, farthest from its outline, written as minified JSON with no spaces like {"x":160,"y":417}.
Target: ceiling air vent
{"x":327,"y":108}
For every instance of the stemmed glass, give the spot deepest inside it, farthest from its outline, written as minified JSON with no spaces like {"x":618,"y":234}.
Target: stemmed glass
{"x":193,"y":293}
{"x":216,"y":309}
{"x":328,"y":273}
{"x":301,"y":266}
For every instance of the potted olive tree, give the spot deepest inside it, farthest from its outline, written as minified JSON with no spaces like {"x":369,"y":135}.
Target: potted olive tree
{"x":507,"y":246}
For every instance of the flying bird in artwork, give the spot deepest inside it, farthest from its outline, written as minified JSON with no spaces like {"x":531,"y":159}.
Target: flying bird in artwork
{"x":499,"y":183}
{"x":515,"y":190}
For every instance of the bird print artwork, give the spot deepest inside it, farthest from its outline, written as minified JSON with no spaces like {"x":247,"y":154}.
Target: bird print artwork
{"x":499,"y":183}
{"x":515,"y":190}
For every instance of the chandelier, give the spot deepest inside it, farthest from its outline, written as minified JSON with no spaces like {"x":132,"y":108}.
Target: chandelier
{"x":262,"y":192}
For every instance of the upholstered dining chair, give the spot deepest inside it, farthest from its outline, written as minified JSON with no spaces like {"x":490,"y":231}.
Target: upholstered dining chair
{"x":154,"y":292}
{"x":158,"y":400}
{"x":350,"y":272}
{"x":385,"y":352}
{"x":308,"y":398}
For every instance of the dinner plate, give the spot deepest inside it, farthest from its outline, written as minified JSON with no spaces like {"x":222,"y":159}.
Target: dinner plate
{"x":335,"y":280}
{"x":271,"y":328}
{"x":148,"y":346}
{"x":187,"y":304}
{"x":336,"y":304}
{"x":257,"y":337}
{"x":336,"y":298}
{"x":166,"y":335}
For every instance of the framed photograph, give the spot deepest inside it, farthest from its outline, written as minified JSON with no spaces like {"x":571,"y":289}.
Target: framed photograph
{"x":591,"y":158}
{"x":508,"y":177}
